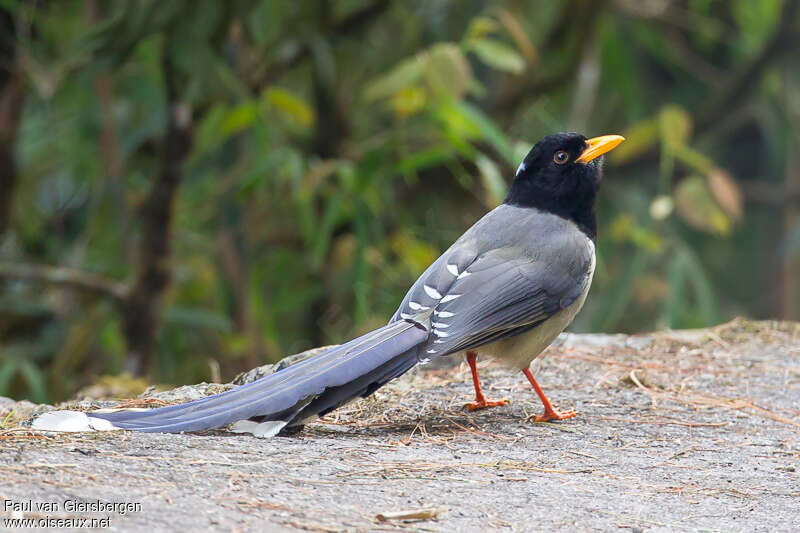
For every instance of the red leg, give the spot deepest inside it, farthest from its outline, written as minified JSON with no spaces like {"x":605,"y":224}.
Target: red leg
{"x":480,"y":400}
{"x":549,"y":412}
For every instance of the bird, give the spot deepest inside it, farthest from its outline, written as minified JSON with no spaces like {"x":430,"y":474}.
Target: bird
{"x":507,"y":287}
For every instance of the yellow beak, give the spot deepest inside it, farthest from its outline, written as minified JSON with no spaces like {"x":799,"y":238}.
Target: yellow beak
{"x":598,"y":146}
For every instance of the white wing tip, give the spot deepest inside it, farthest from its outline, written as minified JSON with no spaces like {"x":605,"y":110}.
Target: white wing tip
{"x":71,"y":421}
{"x":263,"y":430}
{"x":432,"y":292}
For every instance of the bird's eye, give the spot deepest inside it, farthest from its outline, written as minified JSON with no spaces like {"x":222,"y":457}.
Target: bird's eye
{"x":560,"y":157}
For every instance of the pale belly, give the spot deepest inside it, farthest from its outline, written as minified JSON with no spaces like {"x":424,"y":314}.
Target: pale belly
{"x":518,"y":352}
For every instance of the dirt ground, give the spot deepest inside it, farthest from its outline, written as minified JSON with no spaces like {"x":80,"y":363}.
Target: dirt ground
{"x":679,"y":431}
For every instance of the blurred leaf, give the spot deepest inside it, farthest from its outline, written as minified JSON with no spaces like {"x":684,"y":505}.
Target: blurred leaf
{"x":325,"y":230}
{"x":756,"y":20}
{"x":624,"y":228}
{"x":290,"y":105}
{"x":423,"y":159}
{"x":704,"y":293}
{"x":403,"y":76}
{"x":518,"y":33}
{"x":676,"y":302}
{"x":488,"y":130}
{"x":694,"y":159}
{"x":447,"y":71}
{"x":279,"y":165}
{"x":443,"y":69}
{"x":639,"y":138}
{"x":498,"y":55}
{"x":727,"y":192}
{"x":8,"y":368}
{"x":239,"y":119}
{"x":480,"y":27}
{"x":266,"y":19}
{"x":698,"y":207}
{"x":360,"y":282}
{"x":493,"y":183}
{"x":10,"y":5}
{"x":35,"y":380}
{"x":408,"y":101}
{"x":675,"y":126}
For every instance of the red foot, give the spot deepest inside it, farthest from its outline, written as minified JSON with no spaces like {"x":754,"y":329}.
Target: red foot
{"x":549,"y":412}
{"x":555,"y":415}
{"x":483,"y":404}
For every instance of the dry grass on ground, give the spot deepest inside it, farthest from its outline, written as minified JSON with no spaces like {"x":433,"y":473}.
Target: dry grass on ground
{"x":681,"y":431}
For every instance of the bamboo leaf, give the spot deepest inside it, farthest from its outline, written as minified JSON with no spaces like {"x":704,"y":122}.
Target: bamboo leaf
{"x":403,"y":76}
{"x":290,"y":105}
{"x":498,"y":55}
{"x":488,"y":130}
{"x":325,"y":231}
{"x":35,"y":381}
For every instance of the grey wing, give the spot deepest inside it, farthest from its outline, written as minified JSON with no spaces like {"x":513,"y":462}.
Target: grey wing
{"x":500,"y":301}
{"x":432,"y":286}
{"x":505,"y":293}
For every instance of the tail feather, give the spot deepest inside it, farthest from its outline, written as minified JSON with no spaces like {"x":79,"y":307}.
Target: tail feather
{"x":309,"y":388}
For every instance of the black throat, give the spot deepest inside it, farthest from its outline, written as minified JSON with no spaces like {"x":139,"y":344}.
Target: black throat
{"x":577,"y":205}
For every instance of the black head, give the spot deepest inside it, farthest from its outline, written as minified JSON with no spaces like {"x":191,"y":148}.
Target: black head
{"x":561,"y":175}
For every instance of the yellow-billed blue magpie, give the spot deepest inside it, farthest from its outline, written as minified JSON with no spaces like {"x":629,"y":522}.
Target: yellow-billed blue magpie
{"x":508,"y":286}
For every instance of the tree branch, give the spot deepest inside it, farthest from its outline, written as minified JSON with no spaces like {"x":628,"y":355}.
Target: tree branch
{"x":11,"y":98}
{"x":109,"y":140}
{"x":66,"y":277}
{"x":142,"y":309}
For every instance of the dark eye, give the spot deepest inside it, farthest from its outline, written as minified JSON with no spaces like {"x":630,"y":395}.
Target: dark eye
{"x":560,"y":157}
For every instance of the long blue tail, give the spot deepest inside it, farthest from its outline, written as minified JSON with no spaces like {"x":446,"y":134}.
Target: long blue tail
{"x":307,"y":389}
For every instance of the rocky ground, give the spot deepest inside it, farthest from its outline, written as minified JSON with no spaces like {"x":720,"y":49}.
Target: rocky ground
{"x":678,"y":431}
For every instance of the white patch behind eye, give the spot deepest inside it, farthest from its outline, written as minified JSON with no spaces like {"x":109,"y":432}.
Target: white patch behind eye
{"x":521,"y":168}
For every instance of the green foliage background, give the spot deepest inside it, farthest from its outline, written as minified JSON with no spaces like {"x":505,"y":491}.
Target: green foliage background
{"x":339,"y":146}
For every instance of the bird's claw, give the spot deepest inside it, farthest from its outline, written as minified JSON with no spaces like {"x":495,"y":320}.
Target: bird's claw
{"x":483,"y":404}
{"x":555,"y":415}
